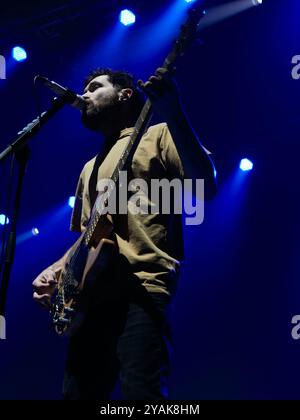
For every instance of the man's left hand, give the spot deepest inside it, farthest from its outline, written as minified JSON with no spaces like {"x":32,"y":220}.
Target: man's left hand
{"x":163,"y":93}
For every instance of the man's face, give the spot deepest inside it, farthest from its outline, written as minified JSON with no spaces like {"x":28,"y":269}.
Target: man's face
{"x":103,"y":103}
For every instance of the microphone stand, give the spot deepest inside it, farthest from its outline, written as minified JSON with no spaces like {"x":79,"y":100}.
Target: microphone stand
{"x":20,"y":150}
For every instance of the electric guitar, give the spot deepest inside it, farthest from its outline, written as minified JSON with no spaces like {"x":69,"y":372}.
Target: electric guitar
{"x":97,"y":246}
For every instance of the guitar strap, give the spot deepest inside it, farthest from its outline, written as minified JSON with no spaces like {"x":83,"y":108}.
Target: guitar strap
{"x":94,"y":178}
{"x":93,"y":194}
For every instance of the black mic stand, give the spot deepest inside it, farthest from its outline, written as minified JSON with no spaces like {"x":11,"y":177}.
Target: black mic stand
{"x":20,"y":150}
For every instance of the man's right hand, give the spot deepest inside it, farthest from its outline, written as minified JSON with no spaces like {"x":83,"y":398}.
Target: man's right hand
{"x":44,"y":286}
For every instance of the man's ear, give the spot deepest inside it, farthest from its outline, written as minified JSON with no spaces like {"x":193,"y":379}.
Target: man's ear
{"x":125,"y":94}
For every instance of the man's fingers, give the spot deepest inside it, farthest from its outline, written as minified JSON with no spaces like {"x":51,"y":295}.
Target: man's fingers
{"x":44,"y":300}
{"x":161,"y":72}
{"x":156,"y":84}
{"x":52,"y":281}
{"x":153,"y":80}
{"x":167,"y":74}
{"x":44,"y":287}
{"x":141,"y":84}
{"x":148,"y":88}
{"x":45,"y":279}
{"x":41,"y":298}
{"x":49,"y":275}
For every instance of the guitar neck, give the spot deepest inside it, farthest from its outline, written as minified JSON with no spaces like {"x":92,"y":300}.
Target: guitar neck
{"x":139,"y":130}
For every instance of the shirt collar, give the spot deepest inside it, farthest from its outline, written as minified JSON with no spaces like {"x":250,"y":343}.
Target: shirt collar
{"x":126,"y":132}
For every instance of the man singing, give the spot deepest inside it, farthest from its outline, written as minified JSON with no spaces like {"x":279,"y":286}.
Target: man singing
{"x":126,"y":332}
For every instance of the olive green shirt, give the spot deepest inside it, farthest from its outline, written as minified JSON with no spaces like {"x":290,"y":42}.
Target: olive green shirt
{"x":152,"y":243}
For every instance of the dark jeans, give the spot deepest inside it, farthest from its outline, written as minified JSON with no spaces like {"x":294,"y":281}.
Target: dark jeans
{"x":126,"y":334}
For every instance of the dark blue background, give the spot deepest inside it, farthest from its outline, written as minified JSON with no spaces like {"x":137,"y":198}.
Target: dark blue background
{"x":240,"y":284}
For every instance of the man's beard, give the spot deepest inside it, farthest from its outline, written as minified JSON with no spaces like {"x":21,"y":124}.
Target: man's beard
{"x":99,"y":119}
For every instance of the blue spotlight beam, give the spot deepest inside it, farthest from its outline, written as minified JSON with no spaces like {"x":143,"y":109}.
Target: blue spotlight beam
{"x":225,"y":11}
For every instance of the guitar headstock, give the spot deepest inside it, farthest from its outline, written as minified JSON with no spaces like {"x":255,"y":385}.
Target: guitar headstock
{"x":188,"y":34}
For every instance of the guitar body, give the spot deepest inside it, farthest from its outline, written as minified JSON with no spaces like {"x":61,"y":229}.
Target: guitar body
{"x":83,"y":269}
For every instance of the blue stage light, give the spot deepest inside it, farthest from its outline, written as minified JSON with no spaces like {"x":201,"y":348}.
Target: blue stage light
{"x":257,"y":2}
{"x":127,"y":17}
{"x":35,"y":231}
{"x":71,"y":202}
{"x":246,"y":165}
{"x":2,"y":219}
{"x":189,"y":1}
{"x":19,"y":54}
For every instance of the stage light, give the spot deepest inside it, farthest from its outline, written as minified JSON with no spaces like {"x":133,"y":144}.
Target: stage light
{"x":257,"y":2}
{"x":127,"y":17}
{"x":246,"y":165}
{"x":189,"y":1}
{"x":2,"y":219}
{"x":19,"y":54}
{"x":71,"y":202}
{"x":35,"y":231}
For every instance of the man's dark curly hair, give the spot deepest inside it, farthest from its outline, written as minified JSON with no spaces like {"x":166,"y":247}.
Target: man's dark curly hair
{"x":121,"y":80}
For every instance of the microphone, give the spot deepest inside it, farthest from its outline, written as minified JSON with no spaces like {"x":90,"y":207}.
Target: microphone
{"x":72,"y":98}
